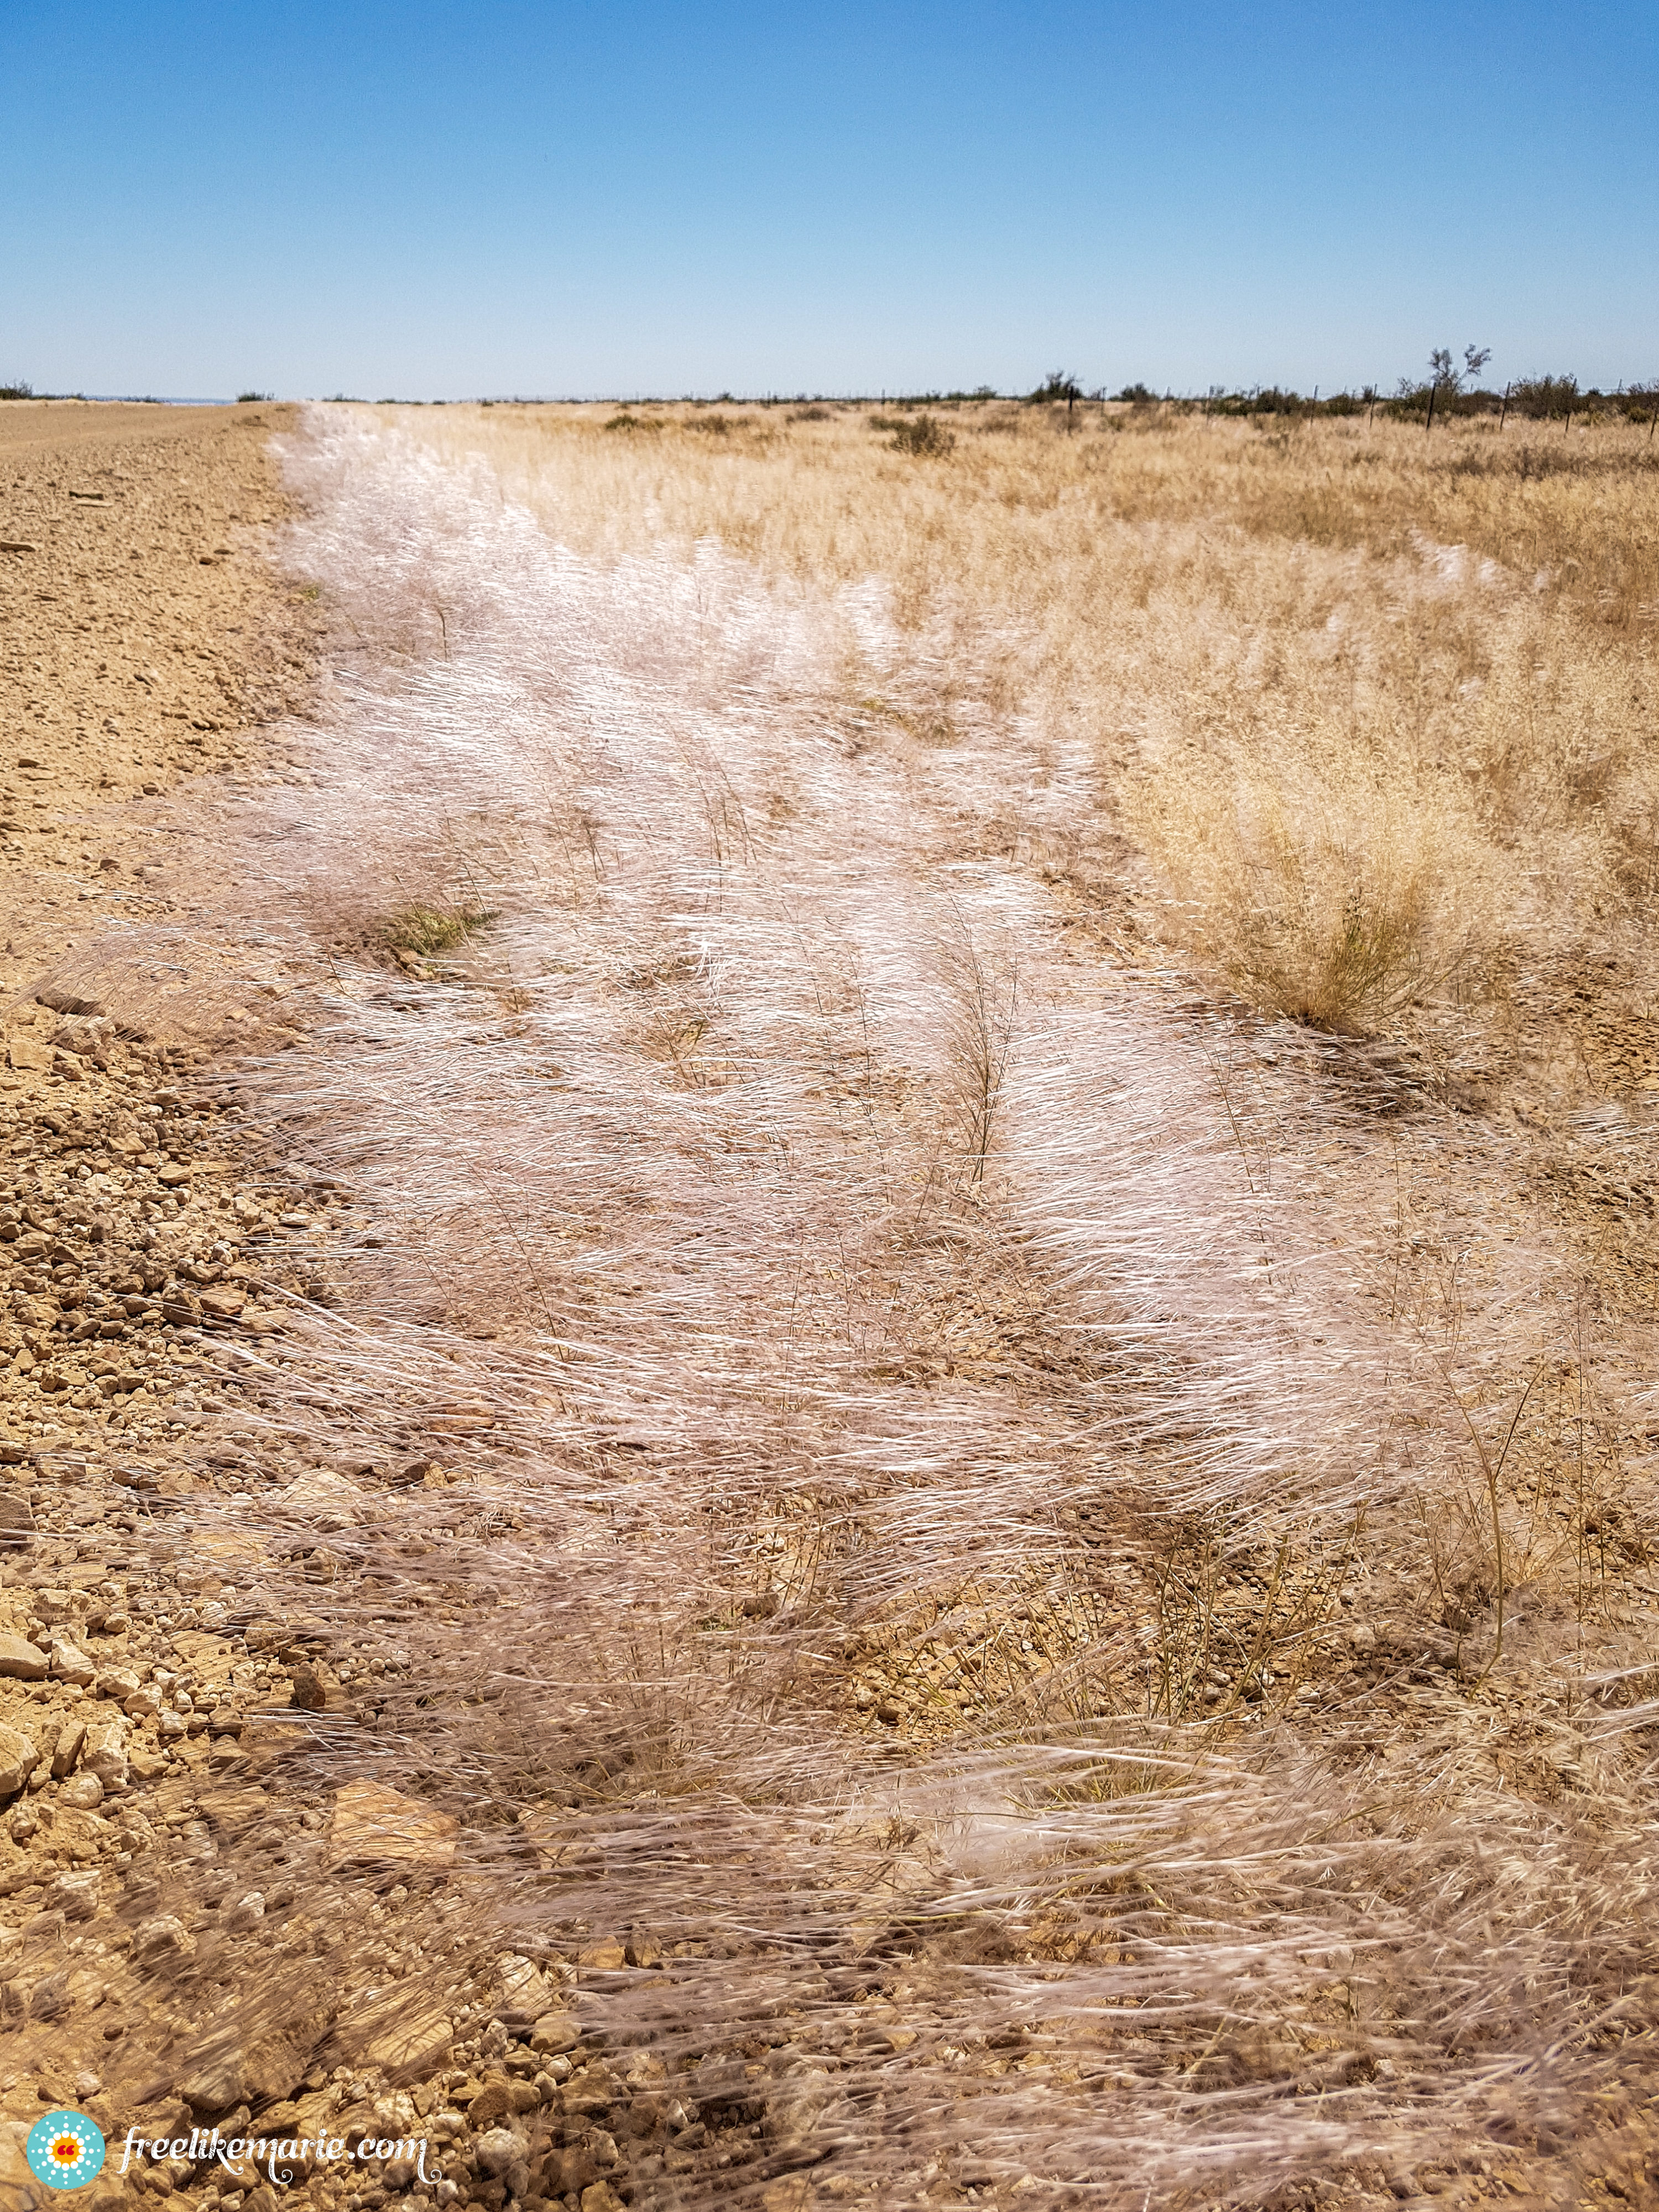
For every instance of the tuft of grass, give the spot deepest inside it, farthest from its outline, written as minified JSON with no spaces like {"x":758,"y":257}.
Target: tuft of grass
{"x":424,"y":930}
{"x":925,"y":436}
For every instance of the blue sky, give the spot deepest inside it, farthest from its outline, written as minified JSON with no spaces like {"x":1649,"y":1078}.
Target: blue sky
{"x":431,"y":200}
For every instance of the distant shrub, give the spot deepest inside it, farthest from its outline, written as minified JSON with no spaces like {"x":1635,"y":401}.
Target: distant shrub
{"x":810,"y":414}
{"x":19,"y":391}
{"x":625,"y":421}
{"x":925,"y":436}
{"x":246,"y":399}
{"x":1544,"y":396}
{"x":717,"y":426}
{"x":1138,"y":395}
{"x":1056,"y":385}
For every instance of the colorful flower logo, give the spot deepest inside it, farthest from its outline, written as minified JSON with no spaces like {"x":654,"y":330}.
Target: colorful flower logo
{"x":64,"y":2150}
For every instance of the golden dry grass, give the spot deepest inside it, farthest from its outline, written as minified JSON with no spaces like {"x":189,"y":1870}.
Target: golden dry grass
{"x":1371,"y":711}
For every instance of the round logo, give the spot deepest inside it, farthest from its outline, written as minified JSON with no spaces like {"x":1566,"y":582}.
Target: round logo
{"x":64,"y":2150}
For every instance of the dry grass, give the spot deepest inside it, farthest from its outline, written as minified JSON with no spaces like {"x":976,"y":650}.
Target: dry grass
{"x":986,"y":1508}
{"x":1371,"y":709}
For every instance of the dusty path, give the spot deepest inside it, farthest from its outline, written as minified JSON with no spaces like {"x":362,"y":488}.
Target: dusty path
{"x":623,"y":1363}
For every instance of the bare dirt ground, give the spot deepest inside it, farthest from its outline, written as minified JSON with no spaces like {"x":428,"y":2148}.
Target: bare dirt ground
{"x":250,"y":1569}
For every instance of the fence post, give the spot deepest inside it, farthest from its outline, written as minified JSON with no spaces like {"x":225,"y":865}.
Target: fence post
{"x":1502,"y":411}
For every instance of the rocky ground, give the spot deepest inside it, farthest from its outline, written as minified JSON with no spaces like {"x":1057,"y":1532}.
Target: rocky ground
{"x":240,"y":1585}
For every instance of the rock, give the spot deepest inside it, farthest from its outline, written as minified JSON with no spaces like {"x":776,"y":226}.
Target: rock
{"x":493,"y":2102}
{"x":16,"y":1518}
{"x":796,"y":2108}
{"x":642,"y":1948}
{"x":71,"y":1742}
{"x":76,"y":1896}
{"x":163,"y":1940}
{"x":26,"y":1052}
{"x":18,"y":1756}
{"x":377,"y":1827}
{"x":603,"y":1957}
{"x":84,"y":1794}
{"x":147,"y":1766}
{"x":524,"y":1993}
{"x":500,"y":2150}
{"x":223,"y":1306}
{"x":326,"y":1501}
{"x":226,"y":2072}
{"x":600,"y":2196}
{"x":401,"y":2032}
{"x":554,"y":2032}
{"x":170,"y":1178}
{"x":120,"y":1683}
{"x":143,"y":1705}
{"x":70,"y":1664}
{"x":106,"y":1753}
{"x":55,"y":1606}
{"x":23,"y":1660}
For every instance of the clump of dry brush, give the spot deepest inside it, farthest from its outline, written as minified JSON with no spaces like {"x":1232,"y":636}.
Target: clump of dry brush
{"x":892,"y":1429}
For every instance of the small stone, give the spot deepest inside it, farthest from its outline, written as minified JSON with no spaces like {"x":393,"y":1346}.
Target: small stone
{"x":170,"y":1178}
{"x":71,"y":1741}
{"x":603,"y":1957}
{"x":247,"y":1912}
{"x":23,"y":1660}
{"x":164,"y":1938}
{"x":85,"y":1793}
{"x":16,"y":1519}
{"x":143,"y":1705}
{"x":600,"y":2196}
{"x":19,"y":1754}
{"x":642,"y":1948}
{"x":120,"y":1683}
{"x":554,"y":2032}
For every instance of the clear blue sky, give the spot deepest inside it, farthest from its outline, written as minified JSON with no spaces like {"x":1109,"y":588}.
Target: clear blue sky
{"x":433,"y":200}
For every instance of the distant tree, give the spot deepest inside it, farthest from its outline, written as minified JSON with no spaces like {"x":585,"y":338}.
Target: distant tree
{"x":1139,"y":395}
{"x":1058,"y":384}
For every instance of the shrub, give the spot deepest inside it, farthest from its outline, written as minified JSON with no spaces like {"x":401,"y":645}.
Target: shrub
{"x":1056,"y":385}
{"x":925,"y":436}
{"x":18,"y":391}
{"x":1138,"y":395}
{"x":246,"y":399}
{"x":1544,"y":396}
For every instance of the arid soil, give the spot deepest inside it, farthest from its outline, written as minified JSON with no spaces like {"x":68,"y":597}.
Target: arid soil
{"x":215,"y":1911}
